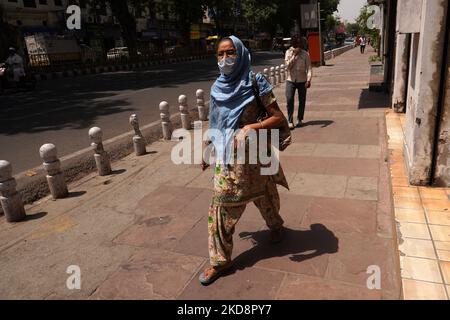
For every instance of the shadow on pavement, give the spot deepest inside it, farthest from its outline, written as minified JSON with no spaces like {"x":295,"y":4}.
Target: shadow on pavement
{"x":35,"y":216}
{"x":76,"y":194}
{"x":322,"y":123}
{"x":301,"y":245}
{"x":373,"y":100}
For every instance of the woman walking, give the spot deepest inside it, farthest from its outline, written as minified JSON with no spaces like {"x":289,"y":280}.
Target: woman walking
{"x":234,"y":106}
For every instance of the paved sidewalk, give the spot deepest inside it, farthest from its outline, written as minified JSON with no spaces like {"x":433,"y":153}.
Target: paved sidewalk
{"x":142,"y":232}
{"x":422,"y":215}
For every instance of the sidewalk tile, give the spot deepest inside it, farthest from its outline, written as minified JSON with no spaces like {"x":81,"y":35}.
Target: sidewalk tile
{"x":300,"y":149}
{"x":420,"y":269}
{"x":247,"y":284}
{"x":362,"y":188}
{"x":303,"y":164}
{"x":397,"y":171}
{"x":156,"y":232}
{"x":410,"y":215}
{"x":349,"y":267}
{"x":150,"y":274}
{"x":407,"y":203}
{"x":440,"y":233}
{"x":443,"y":255}
{"x":167,"y":199}
{"x":406,"y":192}
{"x":438,"y":217}
{"x":419,"y":290}
{"x":442,"y":245}
{"x":436,"y":205}
{"x":369,"y":152}
{"x":430,"y":193}
{"x":336,"y":150}
{"x":414,"y":230}
{"x":301,"y":287}
{"x":445,"y":267}
{"x":400,"y":182}
{"x":353,"y":167}
{"x":343,"y":215}
{"x":319,"y":185}
{"x":417,"y":248}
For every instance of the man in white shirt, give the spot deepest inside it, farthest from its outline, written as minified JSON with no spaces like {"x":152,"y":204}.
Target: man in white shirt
{"x":363,"y":45}
{"x":299,"y":77}
{"x":15,"y":62}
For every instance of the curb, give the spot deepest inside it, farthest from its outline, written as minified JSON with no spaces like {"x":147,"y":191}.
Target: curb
{"x":114,"y":68}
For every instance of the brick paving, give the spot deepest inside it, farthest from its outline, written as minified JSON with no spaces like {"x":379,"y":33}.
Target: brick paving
{"x":142,"y":232}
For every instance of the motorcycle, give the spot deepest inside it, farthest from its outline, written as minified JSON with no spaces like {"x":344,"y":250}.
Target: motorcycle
{"x":27,"y":82}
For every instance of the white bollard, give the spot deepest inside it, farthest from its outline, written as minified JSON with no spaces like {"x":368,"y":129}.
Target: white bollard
{"x":277,"y":74}
{"x":266,"y":73}
{"x":52,"y":165}
{"x":138,"y":139}
{"x":272,"y":76}
{"x":101,"y":156}
{"x":283,"y":73}
{"x":202,"y":110}
{"x":10,"y":199}
{"x":165,"y":120}
{"x":184,"y":109}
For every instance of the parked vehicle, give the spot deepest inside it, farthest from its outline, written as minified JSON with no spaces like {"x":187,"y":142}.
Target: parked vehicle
{"x":174,"y":50}
{"x":350,"y":41}
{"x":27,"y":82}
{"x":119,"y":53}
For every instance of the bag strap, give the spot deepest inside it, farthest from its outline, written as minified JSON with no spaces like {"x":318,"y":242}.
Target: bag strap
{"x":256,"y":91}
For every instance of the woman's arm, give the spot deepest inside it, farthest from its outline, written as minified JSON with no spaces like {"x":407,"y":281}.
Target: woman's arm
{"x":274,"y":121}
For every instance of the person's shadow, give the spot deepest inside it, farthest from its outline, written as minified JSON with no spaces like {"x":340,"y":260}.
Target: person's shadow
{"x":301,"y":245}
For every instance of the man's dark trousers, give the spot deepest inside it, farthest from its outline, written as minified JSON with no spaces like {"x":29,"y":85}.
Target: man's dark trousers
{"x":290,"y":97}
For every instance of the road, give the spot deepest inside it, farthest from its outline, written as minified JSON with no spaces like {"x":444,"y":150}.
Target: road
{"x":62,"y":111}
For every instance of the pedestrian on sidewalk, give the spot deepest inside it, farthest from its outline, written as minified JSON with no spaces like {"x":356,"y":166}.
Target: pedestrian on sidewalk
{"x":363,"y":45}
{"x":299,"y":77}
{"x":234,"y":106}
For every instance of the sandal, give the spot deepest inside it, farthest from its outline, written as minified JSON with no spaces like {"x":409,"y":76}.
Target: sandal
{"x":276,"y":236}
{"x":215,"y":273}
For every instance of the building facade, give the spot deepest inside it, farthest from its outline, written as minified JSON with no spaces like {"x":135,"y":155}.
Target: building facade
{"x":418,"y":77}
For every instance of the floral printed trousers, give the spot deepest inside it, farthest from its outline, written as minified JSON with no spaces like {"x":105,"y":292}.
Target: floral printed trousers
{"x":222,"y":221}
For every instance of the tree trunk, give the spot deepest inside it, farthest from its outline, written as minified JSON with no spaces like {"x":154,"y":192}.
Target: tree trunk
{"x":128,"y":23}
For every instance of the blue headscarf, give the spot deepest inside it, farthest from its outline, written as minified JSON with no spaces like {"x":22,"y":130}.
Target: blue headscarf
{"x":230,"y":94}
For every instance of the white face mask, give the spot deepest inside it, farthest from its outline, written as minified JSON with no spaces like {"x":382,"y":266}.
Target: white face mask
{"x":226,"y":65}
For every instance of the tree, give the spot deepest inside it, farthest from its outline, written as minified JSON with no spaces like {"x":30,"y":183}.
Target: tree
{"x":259,"y":13}
{"x":9,"y":36}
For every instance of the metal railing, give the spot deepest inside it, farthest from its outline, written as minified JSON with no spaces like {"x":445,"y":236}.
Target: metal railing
{"x":42,"y":63}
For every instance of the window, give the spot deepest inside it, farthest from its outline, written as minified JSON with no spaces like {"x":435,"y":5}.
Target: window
{"x":29,"y":3}
{"x":58,"y":3}
{"x":43,"y":2}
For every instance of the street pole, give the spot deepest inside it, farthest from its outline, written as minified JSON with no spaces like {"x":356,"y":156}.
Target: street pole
{"x":322,"y":62}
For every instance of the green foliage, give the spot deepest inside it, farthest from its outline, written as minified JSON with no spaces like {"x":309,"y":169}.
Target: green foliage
{"x":374,"y":58}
